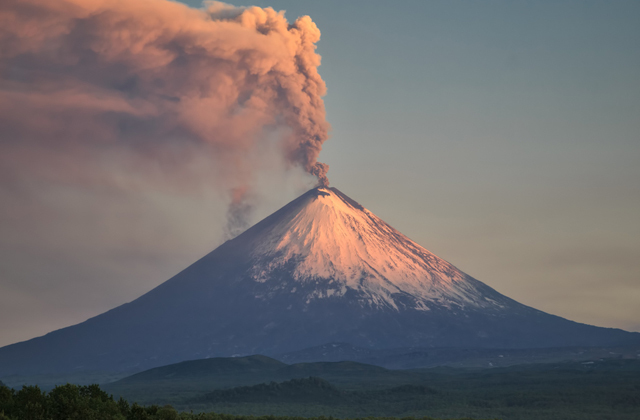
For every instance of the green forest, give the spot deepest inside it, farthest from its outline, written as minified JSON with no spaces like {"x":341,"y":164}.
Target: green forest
{"x":72,"y":402}
{"x":598,"y":390}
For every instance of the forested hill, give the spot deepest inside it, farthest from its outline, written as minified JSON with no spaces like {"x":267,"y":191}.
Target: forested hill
{"x":311,"y":391}
{"x":588,"y":390}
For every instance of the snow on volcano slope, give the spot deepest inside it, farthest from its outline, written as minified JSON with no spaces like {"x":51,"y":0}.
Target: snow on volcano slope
{"x":327,"y":236}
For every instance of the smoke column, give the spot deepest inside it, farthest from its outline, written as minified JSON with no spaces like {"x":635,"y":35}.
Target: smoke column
{"x":153,"y":79}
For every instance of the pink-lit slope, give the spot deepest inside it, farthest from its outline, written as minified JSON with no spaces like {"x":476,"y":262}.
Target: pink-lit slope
{"x":328,"y":237}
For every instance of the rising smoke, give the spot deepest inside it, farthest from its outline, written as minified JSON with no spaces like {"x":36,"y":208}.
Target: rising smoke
{"x":153,"y":79}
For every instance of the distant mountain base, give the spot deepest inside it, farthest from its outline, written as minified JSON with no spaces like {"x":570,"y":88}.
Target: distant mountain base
{"x":394,"y":359}
{"x":420,"y":357}
{"x":49,"y":381}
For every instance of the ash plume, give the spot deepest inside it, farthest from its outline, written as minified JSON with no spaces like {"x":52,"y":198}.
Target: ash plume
{"x":239,"y":212}
{"x":156,"y":80}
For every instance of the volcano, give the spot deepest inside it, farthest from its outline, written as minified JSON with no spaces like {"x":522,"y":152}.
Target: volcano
{"x":321,"y":269}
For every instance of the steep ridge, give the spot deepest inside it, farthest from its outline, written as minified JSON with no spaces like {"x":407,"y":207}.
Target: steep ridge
{"x":321,"y":269}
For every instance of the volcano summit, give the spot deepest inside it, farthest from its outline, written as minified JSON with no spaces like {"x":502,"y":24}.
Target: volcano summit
{"x":321,"y":269}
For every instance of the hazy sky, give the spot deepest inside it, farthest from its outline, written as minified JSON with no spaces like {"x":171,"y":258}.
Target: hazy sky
{"x":502,"y":136}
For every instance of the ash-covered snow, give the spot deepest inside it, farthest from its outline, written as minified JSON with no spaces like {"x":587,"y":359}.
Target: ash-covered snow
{"x":327,"y":236}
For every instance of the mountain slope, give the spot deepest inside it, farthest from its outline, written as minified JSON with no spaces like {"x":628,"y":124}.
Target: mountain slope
{"x":321,"y":269}
{"x":330,"y":237}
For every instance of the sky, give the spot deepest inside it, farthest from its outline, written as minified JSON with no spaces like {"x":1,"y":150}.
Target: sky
{"x":502,"y":136}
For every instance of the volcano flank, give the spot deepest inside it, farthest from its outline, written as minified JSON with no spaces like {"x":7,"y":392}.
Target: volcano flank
{"x":321,"y":269}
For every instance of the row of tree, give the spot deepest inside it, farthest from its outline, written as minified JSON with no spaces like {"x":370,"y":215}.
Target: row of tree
{"x":73,"y":402}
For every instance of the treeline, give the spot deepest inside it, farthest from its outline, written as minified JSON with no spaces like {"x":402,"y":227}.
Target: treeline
{"x":304,"y":390}
{"x":73,"y":402}
{"x":311,"y":390}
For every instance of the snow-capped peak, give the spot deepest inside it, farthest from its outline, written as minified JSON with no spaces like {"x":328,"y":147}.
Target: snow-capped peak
{"x":326,"y":236}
